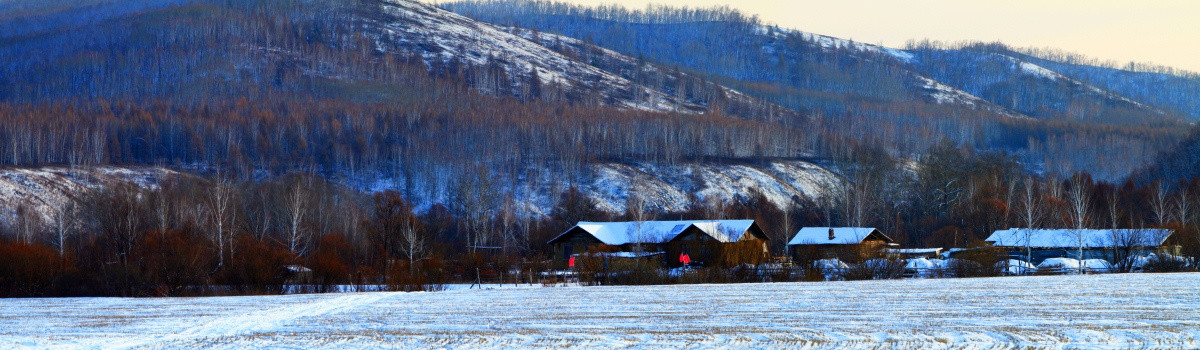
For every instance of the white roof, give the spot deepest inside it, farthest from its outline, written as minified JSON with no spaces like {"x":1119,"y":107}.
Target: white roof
{"x":629,"y":255}
{"x":1066,"y":238}
{"x":841,"y":235}
{"x":627,"y":232}
{"x":914,"y":251}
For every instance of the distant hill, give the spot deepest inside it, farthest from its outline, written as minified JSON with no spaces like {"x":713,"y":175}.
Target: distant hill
{"x":986,"y":96}
{"x":399,"y":86}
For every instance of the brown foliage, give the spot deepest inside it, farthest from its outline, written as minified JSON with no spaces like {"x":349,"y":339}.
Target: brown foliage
{"x":260,"y":268}
{"x":331,"y":262}
{"x":173,"y":263}
{"x":28,"y":270}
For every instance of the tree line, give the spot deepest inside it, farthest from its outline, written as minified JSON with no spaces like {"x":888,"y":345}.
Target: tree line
{"x":204,"y":235}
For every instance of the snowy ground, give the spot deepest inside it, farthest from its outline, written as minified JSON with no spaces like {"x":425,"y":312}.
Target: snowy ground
{"x":1105,"y":311}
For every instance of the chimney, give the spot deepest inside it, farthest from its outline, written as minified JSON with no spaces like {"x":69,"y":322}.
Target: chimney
{"x":831,"y":233}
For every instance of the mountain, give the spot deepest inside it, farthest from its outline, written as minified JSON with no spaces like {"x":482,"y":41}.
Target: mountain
{"x":987,"y":97}
{"x":1019,"y":83}
{"x":399,"y":94}
{"x":244,"y":54}
{"x":1177,"y":164}
{"x":383,"y":95}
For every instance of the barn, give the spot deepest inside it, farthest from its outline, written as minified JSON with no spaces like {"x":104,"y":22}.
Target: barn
{"x":843,"y":243}
{"x":1107,"y":244}
{"x":705,"y":241}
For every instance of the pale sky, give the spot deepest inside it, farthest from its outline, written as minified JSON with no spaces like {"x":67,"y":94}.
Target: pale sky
{"x":1165,"y":32}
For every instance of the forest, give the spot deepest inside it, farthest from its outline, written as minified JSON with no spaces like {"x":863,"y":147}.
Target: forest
{"x":878,"y":95}
{"x":216,"y":235}
{"x":267,"y":106}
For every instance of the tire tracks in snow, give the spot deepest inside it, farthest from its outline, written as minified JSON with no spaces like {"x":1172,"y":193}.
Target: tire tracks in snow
{"x":266,"y":321}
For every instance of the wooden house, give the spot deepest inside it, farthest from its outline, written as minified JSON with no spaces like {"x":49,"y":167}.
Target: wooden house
{"x":844,"y":243}
{"x":705,"y":242}
{"x":1106,"y":244}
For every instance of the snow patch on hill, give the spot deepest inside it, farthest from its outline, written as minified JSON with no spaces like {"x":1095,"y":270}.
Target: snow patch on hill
{"x":665,"y":188}
{"x":1033,"y":69}
{"x":1041,"y":72}
{"x":628,"y":68}
{"x":438,"y":34}
{"x":45,"y":191}
{"x":829,"y":42}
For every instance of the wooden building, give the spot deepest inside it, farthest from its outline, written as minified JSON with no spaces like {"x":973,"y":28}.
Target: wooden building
{"x":706,"y":242}
{"x":1106,"y":244}
{"x":851,"y":244}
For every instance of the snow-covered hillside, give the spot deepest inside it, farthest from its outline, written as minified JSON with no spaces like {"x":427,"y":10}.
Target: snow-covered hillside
{"x":666,"y":188}
{"x":660,"y":78}
{"x":44,"y":191}
{"x":1115,"y":311}
{"x":438,"y":34}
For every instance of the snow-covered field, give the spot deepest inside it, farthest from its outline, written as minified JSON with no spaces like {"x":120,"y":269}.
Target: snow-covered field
{"x":1090,"y":311}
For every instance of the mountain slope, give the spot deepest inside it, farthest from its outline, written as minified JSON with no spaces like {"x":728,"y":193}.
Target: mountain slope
{"x":903,"y":100}
{"x":1020,"y":84}
{"x":127,"y":52}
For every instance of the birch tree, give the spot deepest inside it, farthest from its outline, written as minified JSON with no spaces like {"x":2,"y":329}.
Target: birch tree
{"x":636,"y":211}
{"x":219,"y":206}
{"x":1158,"y":203}
{"x":295,"y":205}
{"x":1032,"y":210}
{"x":1078,"y":198}
{"x":1182,"y":205}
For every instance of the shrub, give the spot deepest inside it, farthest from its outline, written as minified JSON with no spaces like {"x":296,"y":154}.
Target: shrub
{"x":329,"y":262}
{"x":258,"y":268}
{"x":173,"y":263}
{"x":1164,"y":263}
{"x":874,"y":269}
{"x":28,"y":270}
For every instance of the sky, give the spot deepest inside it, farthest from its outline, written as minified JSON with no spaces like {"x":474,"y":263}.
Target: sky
{"x":1165,"y":32}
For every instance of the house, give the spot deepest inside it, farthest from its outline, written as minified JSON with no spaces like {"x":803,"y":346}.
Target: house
{"x":1108,"y":244}
{"x":844,"y":243}
{"x":704,"y":241}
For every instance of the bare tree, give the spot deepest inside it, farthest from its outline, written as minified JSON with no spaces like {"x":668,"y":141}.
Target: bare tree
{"x":508,"y":218}
{"x":412,"y":241}
{"x":857,"y":199}
{"x":1126,"y":243}
{"x":474,"y":201}
{"x":635,"y":209}
{"x":1114,"y":209}
{"x":295,"y":206}
{"x":786,"y":224}
{"x":1183,"y":206}
{"x":1158,"y":203}
{"x":1032,"y":211}
{"x":65,"y":223}
{"x":218,"y":203}
{"x":28,"y":224}
{"x":1079,"y":200}
{"x":1010,"y":192}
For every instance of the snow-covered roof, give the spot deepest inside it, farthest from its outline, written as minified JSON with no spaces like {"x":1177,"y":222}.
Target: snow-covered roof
{"x":627,"y":255}
{"x":914,"y":251}
{"x":841,"y":235}
{"x":1067,"y":238}
{"x":627,"y":232}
